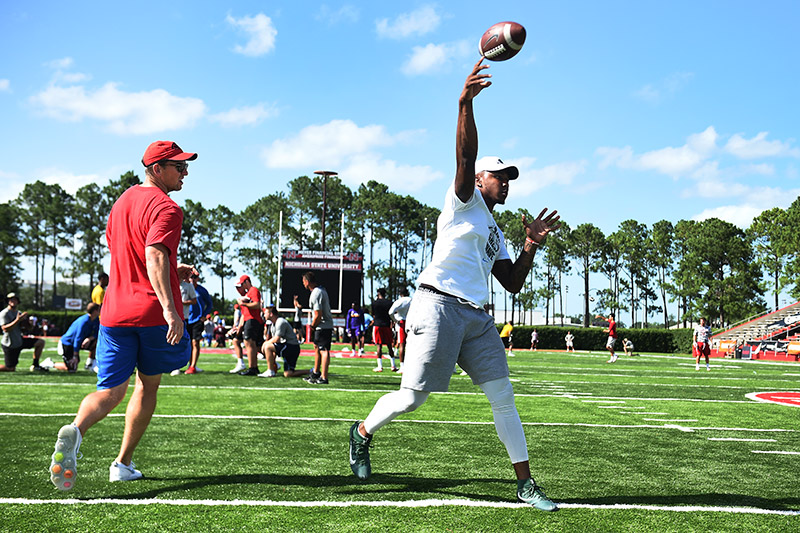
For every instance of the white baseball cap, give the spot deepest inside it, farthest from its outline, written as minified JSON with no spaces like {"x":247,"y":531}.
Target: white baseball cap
{"x":492,"y":163}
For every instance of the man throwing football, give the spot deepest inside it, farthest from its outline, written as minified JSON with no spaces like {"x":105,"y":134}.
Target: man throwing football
{"x":446,"y":322}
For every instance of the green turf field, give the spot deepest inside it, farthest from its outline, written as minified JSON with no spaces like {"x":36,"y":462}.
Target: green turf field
{"x":645,"y":444}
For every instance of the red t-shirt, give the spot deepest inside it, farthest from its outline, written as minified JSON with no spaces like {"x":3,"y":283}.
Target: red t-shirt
{"x":252,"y":314}
{"x":612,"y":329}
{"x":141,"y":217}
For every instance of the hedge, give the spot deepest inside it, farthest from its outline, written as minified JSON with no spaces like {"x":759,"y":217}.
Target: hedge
{"x":594,"y":339}
{"x":62,"y":319}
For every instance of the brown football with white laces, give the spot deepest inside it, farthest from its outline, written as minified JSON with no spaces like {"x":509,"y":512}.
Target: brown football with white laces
{"x":502,"y":41}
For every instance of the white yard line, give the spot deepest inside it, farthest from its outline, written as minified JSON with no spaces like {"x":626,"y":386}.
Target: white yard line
{"x":670,"y":419}
{"x":775,"y":452}
{"x":407,"y":421}
{"x":401,"y":503}
{"x":731,"y":439}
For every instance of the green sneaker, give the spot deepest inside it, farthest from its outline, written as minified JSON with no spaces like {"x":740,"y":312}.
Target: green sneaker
{"x":359,"y":453}
{"x":532,"y":494}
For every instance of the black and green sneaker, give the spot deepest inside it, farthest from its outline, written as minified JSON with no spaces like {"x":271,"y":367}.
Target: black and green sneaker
{"x":532,"y":494}
{"x":359,"y":453}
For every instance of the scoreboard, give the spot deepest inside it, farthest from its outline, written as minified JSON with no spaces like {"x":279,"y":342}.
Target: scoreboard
{"x":341,"y":275}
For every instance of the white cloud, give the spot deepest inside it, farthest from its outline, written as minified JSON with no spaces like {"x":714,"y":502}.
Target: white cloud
{"x":346,"y":13}
{"x":738,"y":215}
{"x":759,"y":147}
{"x":419,"y":22}
{"x":60,"y":64}
{"x":244,"y":116}
{"x":533,"y":179}
{"x":758,"y":199}
{"x":351,"y":150}
{"x":13,"y":184}
{"x":68,"y":181}
{"x":669,"y":86}
{"x":434,"y":58}
{"x":371,"y":166}
{"x":61,"y":74}
{"x":671,"y":161}
{"x":260,"y":32}
{"x":325,"y":144}
{"x":5,"y":85}
{"x":125,"y":113}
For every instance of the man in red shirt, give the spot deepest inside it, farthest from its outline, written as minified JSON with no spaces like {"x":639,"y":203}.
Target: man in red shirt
{"x":612,"y":336}
{"x":253,"y":323}
{"x":141,"y":327}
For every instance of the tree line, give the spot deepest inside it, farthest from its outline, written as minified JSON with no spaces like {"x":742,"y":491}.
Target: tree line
{"x":705,"y":268}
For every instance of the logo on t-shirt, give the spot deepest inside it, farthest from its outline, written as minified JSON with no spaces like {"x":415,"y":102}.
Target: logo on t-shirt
{"x":492,"y":244}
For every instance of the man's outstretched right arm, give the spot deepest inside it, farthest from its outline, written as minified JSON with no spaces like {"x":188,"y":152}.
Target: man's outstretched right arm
{"x":467,"y":132}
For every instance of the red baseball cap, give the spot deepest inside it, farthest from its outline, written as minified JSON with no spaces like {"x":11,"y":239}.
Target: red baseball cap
{"x":165,"y":150}
{"x":244,"y":278}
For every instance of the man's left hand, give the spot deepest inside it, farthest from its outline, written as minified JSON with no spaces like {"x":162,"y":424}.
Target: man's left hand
{"x":538,"y":228}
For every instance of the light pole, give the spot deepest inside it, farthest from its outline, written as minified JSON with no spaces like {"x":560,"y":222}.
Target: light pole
{"x":324,"y":174}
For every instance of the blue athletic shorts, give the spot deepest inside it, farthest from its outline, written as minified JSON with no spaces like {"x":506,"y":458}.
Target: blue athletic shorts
{"x":121,"y":350}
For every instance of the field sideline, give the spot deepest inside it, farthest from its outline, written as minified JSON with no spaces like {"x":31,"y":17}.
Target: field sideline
{"x":645,"y":444}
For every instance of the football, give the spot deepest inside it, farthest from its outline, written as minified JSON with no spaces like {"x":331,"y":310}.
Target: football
{"x":502,"y":41}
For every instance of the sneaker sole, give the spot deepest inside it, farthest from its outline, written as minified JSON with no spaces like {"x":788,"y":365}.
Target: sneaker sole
{"x":64,"y":461}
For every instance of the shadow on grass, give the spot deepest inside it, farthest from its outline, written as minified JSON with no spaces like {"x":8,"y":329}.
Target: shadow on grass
{"x":712,"y":499}
{"x":377,"y":487}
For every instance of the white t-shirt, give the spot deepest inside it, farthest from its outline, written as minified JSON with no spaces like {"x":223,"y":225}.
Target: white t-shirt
{"x":399,"y":309}
{"x":702,"y":333}
{"x":187,"y":293}
{"x":467,"y":245}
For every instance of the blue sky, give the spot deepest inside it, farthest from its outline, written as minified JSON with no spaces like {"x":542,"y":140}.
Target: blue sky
{"x":612,"y":110}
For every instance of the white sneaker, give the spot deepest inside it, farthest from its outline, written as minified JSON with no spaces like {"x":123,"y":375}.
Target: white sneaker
{"x":239,"y":367}
{"x":268,"y":374}
{"x":47,"y":363}
{"x":120,"y":472}
{"x":89,"y":363}
{"x":64,"y":461}
{"x":176,"y":372}
{"x":361,"y":353}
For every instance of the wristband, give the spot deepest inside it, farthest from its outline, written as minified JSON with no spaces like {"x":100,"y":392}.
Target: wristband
{"x":528,"y":239}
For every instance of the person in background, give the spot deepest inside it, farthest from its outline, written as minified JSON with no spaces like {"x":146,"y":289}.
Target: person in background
{"x":569,"y":338}
{"x":11,"y":318}
{"x":99,"y":291}
{"x":81,"y":335}
{"x":382,"y":329}
{"x":253,"y":323}
{"x":508,"y":340}
{"x":322,"y":327}
{"x":399,"y":312}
